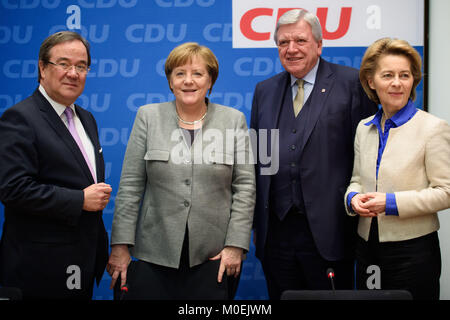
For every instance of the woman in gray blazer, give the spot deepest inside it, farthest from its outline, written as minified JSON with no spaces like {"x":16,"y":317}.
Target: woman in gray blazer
{"x":401,"y":177}
{"x":184,"y":208}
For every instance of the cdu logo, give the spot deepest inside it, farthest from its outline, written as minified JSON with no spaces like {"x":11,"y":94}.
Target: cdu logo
{"x":149,"y":33}
{"x":16,"y":34}
{"x":184,"y":3}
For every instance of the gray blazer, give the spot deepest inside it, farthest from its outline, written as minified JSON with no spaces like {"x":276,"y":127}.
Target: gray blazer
{"x":167,"y":184}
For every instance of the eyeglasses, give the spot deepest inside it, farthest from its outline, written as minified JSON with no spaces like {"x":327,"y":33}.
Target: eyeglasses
{"x":81,"y":69}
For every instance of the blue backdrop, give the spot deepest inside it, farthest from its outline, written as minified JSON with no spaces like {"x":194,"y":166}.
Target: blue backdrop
{"x":130,"y":40}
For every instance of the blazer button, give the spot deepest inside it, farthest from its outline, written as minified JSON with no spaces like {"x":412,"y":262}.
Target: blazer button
{"x":186,"y":203}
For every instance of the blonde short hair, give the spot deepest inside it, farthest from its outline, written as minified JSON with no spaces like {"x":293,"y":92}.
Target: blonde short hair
{"x":384,"y":47}
{"x":185,"y":52}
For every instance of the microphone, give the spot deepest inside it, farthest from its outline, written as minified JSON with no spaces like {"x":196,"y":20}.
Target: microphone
{"x":124,"y":290}
{"x":330,"y":275}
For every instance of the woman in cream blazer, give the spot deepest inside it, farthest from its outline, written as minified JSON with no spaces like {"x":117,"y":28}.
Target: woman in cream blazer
{"x":401,"y":177}
{"x":185,"y":202}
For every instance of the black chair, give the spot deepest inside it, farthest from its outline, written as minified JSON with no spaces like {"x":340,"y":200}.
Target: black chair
{"x":9,"y":293}
{"x":346,"y":295}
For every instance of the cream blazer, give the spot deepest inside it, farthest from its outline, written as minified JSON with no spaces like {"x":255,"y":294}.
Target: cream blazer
{"x":415,"y":166}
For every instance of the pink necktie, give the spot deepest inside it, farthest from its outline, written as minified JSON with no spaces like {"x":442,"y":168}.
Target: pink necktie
{"x":69,"y":114}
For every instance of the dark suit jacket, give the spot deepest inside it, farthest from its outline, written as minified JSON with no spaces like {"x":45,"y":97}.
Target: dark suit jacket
{"x":338,"y":104}
{"x":42,"y":175}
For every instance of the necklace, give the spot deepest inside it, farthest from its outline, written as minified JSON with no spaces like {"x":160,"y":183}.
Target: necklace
{"x":192,"y":122}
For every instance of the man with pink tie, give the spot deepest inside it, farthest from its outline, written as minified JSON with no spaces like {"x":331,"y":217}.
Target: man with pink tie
{"x":54,"y":242}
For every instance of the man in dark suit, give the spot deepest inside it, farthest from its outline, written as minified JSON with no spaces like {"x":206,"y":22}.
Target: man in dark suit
{"x":54,"y":242}
{"x":300,"y":225}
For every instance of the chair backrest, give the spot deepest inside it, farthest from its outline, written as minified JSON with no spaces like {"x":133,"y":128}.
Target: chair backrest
{"x":9,"y":293}
{"x":346,"y":295}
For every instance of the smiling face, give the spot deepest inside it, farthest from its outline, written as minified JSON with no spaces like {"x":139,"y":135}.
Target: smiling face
{"x":297,"y":48}
{"x":392,"y":81}
{"x":64,"y":86}
{"x":191,"y":82}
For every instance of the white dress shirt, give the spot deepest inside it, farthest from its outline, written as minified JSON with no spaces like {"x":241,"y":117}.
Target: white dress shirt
{"x":308,"y":83}
{"x":87,"y":144}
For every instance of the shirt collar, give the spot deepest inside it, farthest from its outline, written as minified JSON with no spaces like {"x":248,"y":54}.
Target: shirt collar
{"x":400,"y":118}
{"x":310,"y":77}
{"x":59,"y":108}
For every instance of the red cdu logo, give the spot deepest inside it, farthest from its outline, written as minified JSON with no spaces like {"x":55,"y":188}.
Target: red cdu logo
{"x":249,"y":16}
{"x":350,"y":23}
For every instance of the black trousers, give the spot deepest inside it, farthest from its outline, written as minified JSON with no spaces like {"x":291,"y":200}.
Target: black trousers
{"x":149,"y":281}
{"x":413,"y":265}
{"x":292,"y":261}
